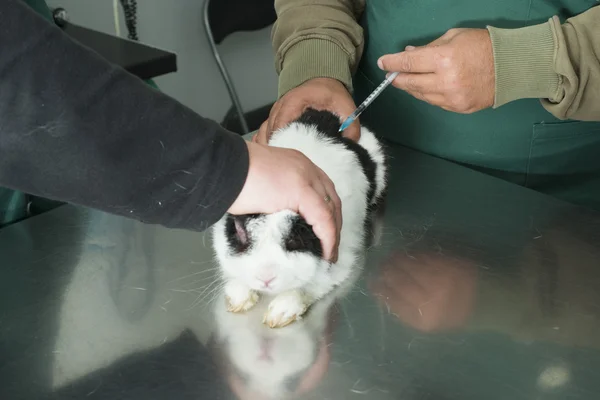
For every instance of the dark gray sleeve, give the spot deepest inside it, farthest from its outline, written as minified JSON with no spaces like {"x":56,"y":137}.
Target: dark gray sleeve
{"x":77,"y":129}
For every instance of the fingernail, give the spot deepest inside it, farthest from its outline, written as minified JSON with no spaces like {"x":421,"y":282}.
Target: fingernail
{"x":409,"y":48}
{"x":380,"y":63}
{"x":332,"y":258}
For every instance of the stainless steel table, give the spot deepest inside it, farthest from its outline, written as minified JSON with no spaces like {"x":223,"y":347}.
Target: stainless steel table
{"x":476,"y":289}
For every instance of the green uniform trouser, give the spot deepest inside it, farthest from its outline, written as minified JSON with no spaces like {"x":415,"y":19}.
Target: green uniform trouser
{"x":15,"y":205}
{"x":520,"y":142}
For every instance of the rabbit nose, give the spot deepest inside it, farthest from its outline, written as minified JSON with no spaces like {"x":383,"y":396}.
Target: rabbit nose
{"x":266,"y":280}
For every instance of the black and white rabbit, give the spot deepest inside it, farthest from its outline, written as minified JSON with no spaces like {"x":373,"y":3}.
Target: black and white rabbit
{"x":278,"y":255}
{"x":264,"y":363}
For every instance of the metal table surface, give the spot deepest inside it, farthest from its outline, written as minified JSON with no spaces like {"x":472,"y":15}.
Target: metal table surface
{"x":475,"y":289}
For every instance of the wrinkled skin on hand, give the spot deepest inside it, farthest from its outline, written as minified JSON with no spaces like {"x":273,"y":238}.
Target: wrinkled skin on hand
{"x":284,"y":179}
{"x":455,"y":72}
{"x":320,"y":94}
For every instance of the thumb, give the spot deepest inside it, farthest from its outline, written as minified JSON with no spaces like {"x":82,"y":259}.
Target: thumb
{"x":352,"y":132}
{"x":415,"y":60}
{"x":262,"y":136}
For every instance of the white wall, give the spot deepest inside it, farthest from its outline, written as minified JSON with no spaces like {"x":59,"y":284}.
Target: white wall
{"x":177,"y":26}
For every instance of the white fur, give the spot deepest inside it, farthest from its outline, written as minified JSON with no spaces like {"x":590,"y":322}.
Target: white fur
{"x":268,"y":358}
{"x":306,"y":276}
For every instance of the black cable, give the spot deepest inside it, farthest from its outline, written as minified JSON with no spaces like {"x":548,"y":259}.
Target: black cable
{"x":130,"y":11}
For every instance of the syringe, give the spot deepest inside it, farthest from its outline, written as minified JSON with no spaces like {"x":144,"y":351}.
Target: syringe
{"x":368,"y":101}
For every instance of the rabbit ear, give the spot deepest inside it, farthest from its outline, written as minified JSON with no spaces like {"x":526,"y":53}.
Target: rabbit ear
{"x":236,"y":231}
{"x":240,"y":231}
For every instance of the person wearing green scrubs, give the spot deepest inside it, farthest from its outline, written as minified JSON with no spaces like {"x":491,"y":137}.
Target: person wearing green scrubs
{"x":507,"y":87}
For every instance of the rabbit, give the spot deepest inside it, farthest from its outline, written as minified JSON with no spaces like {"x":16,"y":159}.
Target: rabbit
{"x":278,"y":255}
{"x":259,"y":362}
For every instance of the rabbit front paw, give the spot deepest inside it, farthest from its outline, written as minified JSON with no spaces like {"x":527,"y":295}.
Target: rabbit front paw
{"x":239,"y":297}
{"x":285,"y":309}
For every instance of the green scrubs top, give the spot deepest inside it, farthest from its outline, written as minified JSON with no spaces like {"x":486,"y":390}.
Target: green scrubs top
{"x":520,"y":142}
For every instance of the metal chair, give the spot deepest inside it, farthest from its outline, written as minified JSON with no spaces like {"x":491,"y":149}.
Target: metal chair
{"x":219,"y":22}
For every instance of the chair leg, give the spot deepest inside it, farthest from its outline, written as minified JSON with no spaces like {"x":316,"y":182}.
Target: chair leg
{"x":228,"y":82}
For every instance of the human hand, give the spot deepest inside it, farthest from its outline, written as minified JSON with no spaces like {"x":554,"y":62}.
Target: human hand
{"x":428,"y":292}
{"x":283,"y":179}
{"x":320,"y":94}
{"x":455,"y":72}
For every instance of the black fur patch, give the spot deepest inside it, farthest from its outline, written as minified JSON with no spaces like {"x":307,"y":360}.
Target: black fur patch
{"x":236,"y":243}
{"x":301,"y":238}
{"x":329,"y":124}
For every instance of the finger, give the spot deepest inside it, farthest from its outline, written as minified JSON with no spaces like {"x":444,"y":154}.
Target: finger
{"x":330,"y":217}
{"x":287,"y":114}
{"x":327,"y":192}
{"x":262,"y":136}
{"x":424,"y":83}
{"x":353,"y":131}
{"x":272,"y":115}
{"x":419,"y":60}
{"x":336,"y":204}
{"x":321,"y":216}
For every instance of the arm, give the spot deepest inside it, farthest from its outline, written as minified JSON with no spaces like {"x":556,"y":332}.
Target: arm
{"x":556,"y":63}
{"x":317,"y":39}
{"x":75,"y":128}
{"x":317,"y":44}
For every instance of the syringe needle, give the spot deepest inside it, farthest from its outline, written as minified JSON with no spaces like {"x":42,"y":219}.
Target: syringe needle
{"x":368,"y":101}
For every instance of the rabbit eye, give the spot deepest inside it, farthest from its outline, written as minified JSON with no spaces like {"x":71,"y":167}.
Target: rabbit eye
{"x":294,"y":243}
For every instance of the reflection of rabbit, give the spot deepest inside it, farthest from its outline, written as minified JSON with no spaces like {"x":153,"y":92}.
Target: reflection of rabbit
{"x":263,"y":363}
{"x":278,"y":254}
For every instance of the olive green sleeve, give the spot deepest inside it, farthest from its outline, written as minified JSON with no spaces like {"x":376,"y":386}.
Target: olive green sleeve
{"x":317,"y":39}
{"x":557,"y":63}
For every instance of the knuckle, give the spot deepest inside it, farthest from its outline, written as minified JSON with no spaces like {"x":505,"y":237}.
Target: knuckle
{"x":405,"y":64}
{"x":445,"y":61}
